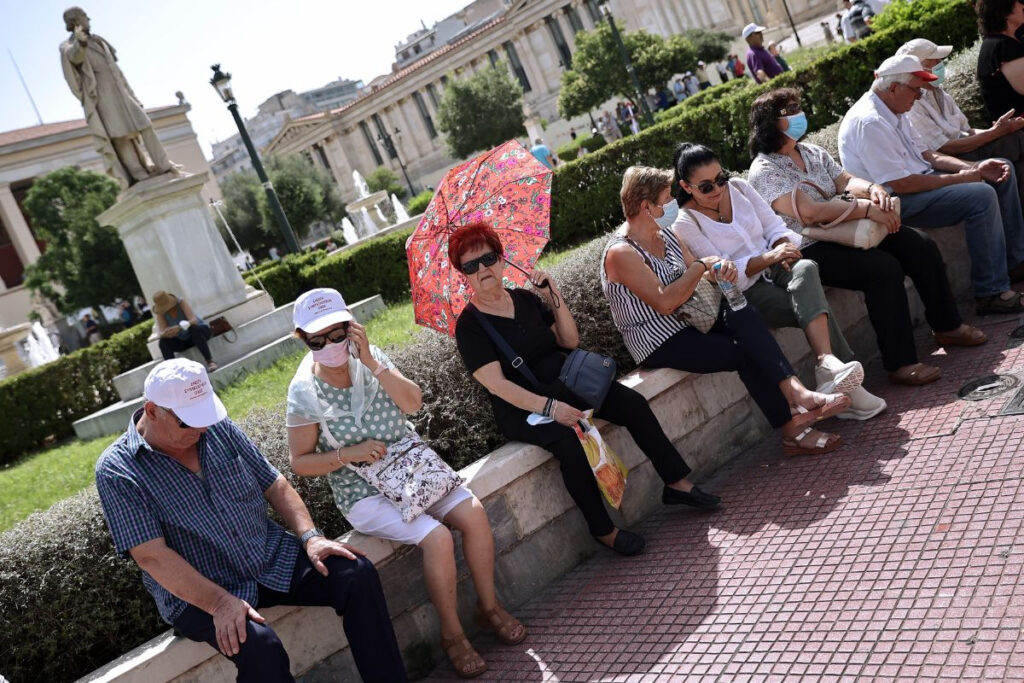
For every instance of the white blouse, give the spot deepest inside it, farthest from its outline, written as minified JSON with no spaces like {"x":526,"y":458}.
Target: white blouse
{"x":753,"y":230}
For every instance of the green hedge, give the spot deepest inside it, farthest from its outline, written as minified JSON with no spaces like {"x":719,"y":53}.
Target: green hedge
{"x":376,"y":267}
{"x":418,"y":204}
{"x":283,"y":279}
{"x":712,"y":94}
{"x":41,"y":404}
{"x":571,"y":150}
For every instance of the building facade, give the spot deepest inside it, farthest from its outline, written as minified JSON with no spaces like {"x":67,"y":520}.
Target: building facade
{"x":534,"y":38}
{"x":28,"y":153}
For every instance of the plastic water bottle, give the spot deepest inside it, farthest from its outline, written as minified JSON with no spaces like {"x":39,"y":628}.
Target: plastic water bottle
{"x":731,"y":292}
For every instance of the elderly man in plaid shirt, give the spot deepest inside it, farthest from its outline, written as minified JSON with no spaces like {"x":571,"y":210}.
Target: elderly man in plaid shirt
{"x":185,"y":495}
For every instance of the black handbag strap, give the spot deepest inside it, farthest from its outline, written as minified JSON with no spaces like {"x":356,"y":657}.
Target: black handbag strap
{"x":506,"y":349}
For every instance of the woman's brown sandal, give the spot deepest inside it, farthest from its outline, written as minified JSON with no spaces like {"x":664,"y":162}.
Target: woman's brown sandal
{"x":801,"y":444}
{"x":508,"y":629}
{"x":463,"y":656}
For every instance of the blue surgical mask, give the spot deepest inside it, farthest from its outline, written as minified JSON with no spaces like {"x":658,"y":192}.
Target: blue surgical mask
{"x":797,"y":125}
{"x":939,"y":71}
{"x":671,"y":213}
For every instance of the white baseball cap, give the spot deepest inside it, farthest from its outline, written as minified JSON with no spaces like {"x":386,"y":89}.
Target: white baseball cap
{"x":904,"y":64}
{"x":183,"y":386}
{"x":751,"y":29}
{"x":318,"y":309}
{"x":922,"y":48}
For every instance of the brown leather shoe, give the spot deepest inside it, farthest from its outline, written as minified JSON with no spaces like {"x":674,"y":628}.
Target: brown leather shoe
{"x":962,"y":336}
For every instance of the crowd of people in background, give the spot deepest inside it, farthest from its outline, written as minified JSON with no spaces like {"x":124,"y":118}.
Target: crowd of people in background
{"x":909,"y":161}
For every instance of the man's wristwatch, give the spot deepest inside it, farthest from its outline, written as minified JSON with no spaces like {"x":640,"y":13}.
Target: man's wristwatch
{"x":304,"y":539}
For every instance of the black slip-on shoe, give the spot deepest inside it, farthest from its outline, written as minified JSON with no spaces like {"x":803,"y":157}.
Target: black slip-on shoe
{"x":694,"y":498}
{"x":627,"y":543}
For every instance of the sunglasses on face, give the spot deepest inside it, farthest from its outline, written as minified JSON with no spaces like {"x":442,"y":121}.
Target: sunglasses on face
{"x":181,"y":424}
{"x":335,"y":336}
{"x":486,"y":260}
{"x":708,"y":186}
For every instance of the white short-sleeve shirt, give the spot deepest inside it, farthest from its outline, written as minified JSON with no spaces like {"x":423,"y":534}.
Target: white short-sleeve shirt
{"x":937,"y":119}
{"x":876,"y":144}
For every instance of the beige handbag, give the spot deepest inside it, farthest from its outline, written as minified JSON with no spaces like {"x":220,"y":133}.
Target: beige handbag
{"x":862,"y":233}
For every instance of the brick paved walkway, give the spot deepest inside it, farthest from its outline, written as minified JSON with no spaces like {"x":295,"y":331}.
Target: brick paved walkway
{"x":896,"y":557}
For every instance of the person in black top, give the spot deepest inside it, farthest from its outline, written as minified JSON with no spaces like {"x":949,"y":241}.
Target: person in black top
{"x":539,"y":328}
{"x":1001,"y":58}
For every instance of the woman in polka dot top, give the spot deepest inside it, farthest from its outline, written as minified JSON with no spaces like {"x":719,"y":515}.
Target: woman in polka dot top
{"x":352,"y":387}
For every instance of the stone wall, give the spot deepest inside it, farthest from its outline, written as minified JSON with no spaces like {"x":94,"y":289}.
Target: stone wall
{"x":539,"y":534}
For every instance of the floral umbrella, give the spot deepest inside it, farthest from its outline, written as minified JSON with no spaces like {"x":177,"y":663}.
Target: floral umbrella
{"x":506,"y":188}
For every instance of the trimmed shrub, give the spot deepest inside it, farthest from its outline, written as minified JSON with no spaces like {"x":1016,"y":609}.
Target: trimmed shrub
{"x":571,"y":150}
{"x":377,"y":267}
{"x":41,"y":404}
{"x":962,"y":83}
{"x":283,"y":279}
{"x":712,"y":94}
{"x":418,"y":204}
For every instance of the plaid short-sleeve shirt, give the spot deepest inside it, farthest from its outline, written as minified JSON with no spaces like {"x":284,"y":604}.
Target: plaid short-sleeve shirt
{"x":216,"y":520}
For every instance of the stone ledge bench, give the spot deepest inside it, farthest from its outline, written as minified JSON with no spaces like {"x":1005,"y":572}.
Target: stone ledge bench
{"x":539,"y":534}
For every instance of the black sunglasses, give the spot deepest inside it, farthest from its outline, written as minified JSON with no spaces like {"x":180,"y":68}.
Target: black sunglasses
{"x":181,"y":423}
{"x":486,"y":260}
{"x":706,"y":186}
{"x":319,"y":341}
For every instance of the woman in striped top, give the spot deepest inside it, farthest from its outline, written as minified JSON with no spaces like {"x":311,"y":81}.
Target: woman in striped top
{"x":647,"y":274}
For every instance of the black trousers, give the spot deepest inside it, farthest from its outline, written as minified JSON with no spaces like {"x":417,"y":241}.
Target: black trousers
{"x":879,"y":274}
{"x":351,"y":587}
{"x":739,"y":341}
{"x":623,"y":406}
{"x":197,"y":337}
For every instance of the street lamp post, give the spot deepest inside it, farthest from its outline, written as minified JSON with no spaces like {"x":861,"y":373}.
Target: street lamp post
{"x":796,"y":34}
{"x":386,"y":141}
{"x":221,"y":82}
{"x":607,"y":12}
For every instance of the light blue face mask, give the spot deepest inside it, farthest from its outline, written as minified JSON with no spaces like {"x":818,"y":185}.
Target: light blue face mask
{"x":797,"y":125}
{"x":671,"y":213}
{"x":939,"y":71}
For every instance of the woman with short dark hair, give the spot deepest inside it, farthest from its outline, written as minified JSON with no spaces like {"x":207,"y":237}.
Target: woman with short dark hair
{"x":539,"y":327}
{"x":781,"y":163}
{"x":1001,"y":58}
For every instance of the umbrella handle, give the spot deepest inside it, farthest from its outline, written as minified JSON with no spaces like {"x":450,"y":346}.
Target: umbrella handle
{"x":545,"y":284}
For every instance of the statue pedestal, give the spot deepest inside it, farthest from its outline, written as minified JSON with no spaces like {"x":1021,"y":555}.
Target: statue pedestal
{"x":174,"y":245}
{"x":10,"y":358}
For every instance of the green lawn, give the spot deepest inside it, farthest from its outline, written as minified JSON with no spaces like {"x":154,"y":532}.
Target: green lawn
{"x":38,"y":480}
{"x":803,"y":56}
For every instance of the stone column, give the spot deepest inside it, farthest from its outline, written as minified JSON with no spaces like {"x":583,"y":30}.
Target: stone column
{"x":542,"y":45}
{"x":562,"y":21}
{"x":524,"y":49}
{"x":418,"y":134}
{"x":21,"y":235}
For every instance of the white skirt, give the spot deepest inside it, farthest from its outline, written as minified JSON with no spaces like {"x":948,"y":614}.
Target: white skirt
{"x":378,"y":516}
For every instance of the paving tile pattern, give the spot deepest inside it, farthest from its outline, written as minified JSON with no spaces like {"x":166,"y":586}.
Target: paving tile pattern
{"x":897,"y":558}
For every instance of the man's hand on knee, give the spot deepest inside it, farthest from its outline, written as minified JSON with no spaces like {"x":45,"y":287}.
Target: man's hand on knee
{"x":319,"y":549}
{"x":230,"y":620}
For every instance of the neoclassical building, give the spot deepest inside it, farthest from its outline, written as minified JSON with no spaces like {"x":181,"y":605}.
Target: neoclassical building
{"x":28,"y":153}
{"x":534,"y":38}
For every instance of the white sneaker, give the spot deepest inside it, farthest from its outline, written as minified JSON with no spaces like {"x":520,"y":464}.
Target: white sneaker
{"x":835,"y":375}
{"x":863,"y":405}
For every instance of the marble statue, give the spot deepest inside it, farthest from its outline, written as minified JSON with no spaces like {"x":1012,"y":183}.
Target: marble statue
{"x":122,"y":131}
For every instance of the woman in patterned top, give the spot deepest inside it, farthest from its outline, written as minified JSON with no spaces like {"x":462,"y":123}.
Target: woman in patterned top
{"x":363,"y":400}
{"x":780,"y":163}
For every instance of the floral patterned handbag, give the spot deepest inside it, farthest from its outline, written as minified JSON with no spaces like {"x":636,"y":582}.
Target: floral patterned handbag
{"x":410,"y":475}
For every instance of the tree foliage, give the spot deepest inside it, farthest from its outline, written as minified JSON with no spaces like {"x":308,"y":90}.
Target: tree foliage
{"x":384,"y":179}
{"x":599,"y":74}
{"x":307,"y":194}
{"x":711,"y":46}
{"x":84,"y":264}
{"x":481,"y":111}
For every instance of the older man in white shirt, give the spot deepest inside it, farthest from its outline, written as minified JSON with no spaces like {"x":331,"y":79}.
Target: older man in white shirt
{"x":944,"y":127}
{"x":877,"y":142}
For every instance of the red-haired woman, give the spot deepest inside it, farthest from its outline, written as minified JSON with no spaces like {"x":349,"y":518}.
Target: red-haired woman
{"x":539,"y":328}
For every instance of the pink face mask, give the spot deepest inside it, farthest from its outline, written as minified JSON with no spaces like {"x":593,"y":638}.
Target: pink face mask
{"x":332,"y":355}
